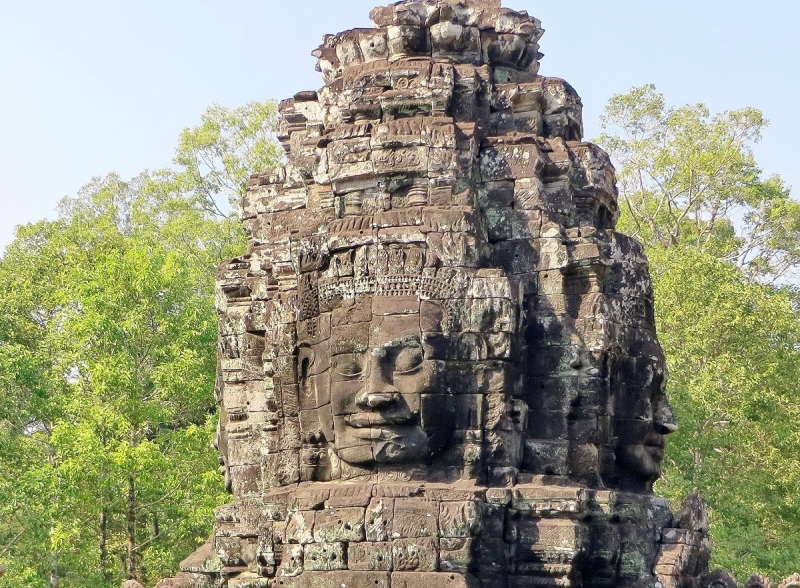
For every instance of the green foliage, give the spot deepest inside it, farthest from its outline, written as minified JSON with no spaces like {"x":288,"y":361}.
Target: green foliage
{"x":107,"y":359}
{"x":218,"y":156}
{"x":689,"y":178}
{"x":718,"y":235}
{"x":733,"y":351}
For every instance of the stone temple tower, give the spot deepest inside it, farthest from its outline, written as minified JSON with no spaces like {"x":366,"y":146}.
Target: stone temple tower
{"x":438,"y":364}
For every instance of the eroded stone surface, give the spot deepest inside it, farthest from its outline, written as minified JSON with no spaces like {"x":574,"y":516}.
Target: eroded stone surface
{"x":438,"y":363}
{"x":758,"y":581}
{"x":434,"y":290}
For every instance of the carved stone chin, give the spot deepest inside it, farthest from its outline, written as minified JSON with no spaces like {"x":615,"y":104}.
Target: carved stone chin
{"x":437,"y":357}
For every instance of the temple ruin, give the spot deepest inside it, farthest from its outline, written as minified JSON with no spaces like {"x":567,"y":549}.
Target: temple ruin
{"x":438,"y":364}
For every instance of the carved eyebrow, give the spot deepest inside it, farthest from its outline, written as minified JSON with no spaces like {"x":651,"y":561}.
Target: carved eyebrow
{"x":408,"y":341}
{"x":348,"y":347}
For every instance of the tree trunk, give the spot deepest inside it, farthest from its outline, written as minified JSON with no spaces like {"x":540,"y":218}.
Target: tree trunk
{"x":53,"y":570}
{"x":103,"y":547}
{"x":131,"y":527}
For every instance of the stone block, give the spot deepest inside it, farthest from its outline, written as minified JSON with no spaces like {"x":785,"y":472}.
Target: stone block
{"x":682,"y":536}
{"x":337,"y":579}
{"x":415,"y":518}
{"x":490,"y":580}
{"x":292,"y":561}
{"x":680,"y":559}
{"x":496,"y":194}
{"x":432,"y":580}
{"x":460,"y":519}
{"x":246,"y":580}
{"x":339,"y":524}
{"x":693,"y":515}
{"x":379,"y":518}
{"x":549,"y":500}
{"x":456,"y":555}
{"x":236,"y":551}
{"x":543,"y":534}
{"x":300,"y":527}
{"x":492,"y":555}
{"x":507,"y":162}
{"x":447,"y":493}
{"x":347,"y":496}
{"x":370,"y":556}
{"x":415,"y":555}
{"x":325,"y":557}
{"x":546,"y":456}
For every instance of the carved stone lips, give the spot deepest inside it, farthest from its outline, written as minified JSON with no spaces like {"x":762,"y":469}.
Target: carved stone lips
{"x":367,"y":420}
{"x":380,"y":433}
{"x":654,"y":440}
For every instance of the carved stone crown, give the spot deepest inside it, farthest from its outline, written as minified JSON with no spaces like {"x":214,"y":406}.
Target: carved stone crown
{"x":394,"y":270}
{"x":475,"y":32}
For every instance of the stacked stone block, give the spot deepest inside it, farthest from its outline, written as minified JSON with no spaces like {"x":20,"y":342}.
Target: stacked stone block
{"x":438,"y":362}
{"x":458,"y":535}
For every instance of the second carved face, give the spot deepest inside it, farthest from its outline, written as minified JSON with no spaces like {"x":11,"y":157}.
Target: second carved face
{"x":642,"y":417}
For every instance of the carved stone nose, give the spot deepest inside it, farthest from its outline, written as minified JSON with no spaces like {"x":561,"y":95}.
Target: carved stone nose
{"x":665,"y":428}
{"x":379,"y":393}
{"x":376,"y":400}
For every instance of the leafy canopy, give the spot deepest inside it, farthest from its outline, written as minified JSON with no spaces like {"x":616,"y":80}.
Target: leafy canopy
{"x":107,"y":361}
{"x":687,"y":177}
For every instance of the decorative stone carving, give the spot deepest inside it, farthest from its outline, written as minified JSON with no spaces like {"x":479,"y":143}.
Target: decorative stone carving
{"x":758,"y":581}
{"x":438,"y":360}
{"x":718,"y":579}
{"x":792,"y":581}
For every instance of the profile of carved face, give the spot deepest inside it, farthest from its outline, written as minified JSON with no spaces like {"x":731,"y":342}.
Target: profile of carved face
{"x":641,"y":448}
{"x":220,"y":443}
{"x":643,"y":417}
{"x":387,"y":400}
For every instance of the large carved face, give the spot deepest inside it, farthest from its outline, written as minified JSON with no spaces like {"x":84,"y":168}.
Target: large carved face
{"x":643,"y":418}
{"x":386,"y":395}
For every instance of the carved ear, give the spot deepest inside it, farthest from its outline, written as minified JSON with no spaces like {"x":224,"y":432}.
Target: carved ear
{"x":306,"y":357}
{"x":518,"y":414}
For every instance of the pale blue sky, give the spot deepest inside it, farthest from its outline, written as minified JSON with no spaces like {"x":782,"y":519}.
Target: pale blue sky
{"x":94,"y":86}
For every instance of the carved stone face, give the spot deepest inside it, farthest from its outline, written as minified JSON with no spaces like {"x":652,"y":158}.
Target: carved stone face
{"x":385,"y":393}
{"x":641,"y":448}
{"x":643,"y":418}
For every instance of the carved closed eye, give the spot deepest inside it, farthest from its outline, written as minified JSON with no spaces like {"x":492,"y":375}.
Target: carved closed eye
{"x":349,"y":366}
{"x":408,"y":360}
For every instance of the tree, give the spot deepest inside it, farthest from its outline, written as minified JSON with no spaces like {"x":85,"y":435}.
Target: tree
{"x":687,"y":177}
{"x":733,"y":352}
{"x":218,"y":156}
{"x":107,"y":341}
{"x":127,"y":332}
{"x":718,"y":235}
